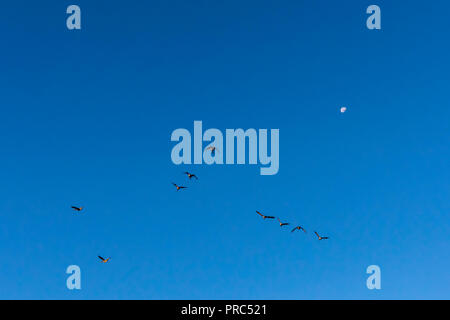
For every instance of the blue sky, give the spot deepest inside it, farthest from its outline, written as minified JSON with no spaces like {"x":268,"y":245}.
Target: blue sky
{"x":87,"y":117}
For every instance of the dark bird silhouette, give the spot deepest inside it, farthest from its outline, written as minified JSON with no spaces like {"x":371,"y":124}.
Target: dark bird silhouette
{"x":104,"y":260}
{"x":77,"y":208}
{"x":282,"y":223}
{"x":178,"y":187}
{"x":320,"y":238}
{"x":299,"y":228}
{"x":191,"y":175}
{"x":264,"y":217}
{"x":213,"y":149}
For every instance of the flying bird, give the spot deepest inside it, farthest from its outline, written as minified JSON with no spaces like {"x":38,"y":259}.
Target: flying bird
{"x":299,"y":228}
{"x":282,"y":223}
{"x":178,"y":187}
{"x":103,"y":260}
{"x":77,"y":208}
{"x":320,"y":238}
{"x":264,"y":217}
{"x":213,"y":149}
{"x":191,"y":175}
{"x":343,"y":109}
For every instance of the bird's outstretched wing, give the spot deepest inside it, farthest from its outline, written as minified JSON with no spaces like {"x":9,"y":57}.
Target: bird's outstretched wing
{"x":260,"y":213}
{"x":213,"y":149}
{"x":270,"y":217}
{"x":101,"y":258}
{"x":317,"y":234}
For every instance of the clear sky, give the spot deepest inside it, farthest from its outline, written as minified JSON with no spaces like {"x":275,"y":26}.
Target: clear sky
{"x":86,"y":119}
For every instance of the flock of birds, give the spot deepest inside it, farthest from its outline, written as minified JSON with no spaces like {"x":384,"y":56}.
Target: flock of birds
{"x":178,"y":187}
{"x":191,"y":175}
{"x":282,"y":224}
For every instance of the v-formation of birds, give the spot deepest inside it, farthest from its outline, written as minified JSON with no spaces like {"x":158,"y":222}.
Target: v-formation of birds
{"x":283,"y":223}
{"x":191,"y":176}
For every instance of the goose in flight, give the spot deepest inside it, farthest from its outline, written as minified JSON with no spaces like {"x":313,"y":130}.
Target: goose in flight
{"x":264,"y":217}
{"x":299,"y":228}
{"x":77,"y":208}
{"x":191,"y":175}
{"x":178,"y":187}
{"x":320,"y":238}
{"x":213,"y":150}
{"x":104,"y":260}
{"x":282,"y":223}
